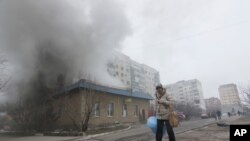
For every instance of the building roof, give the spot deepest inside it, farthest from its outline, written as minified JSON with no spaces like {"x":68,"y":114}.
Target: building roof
{"x":84,"y":84}
{"x":227,"y":85}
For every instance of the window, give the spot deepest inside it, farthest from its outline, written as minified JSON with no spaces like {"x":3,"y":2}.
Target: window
{"x":136,"y":110}
{"x":117,"y":73}
{"x":121,"y":68}
{"x":124,"y":110}
{"x":96,"y":109}
{"x":121,"y":74}
{"x":197,"y":101}
{"x":110,"y":109}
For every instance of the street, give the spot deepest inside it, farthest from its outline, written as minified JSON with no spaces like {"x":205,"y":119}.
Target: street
{"x":135,"y":133}
{"x":144,"y":132}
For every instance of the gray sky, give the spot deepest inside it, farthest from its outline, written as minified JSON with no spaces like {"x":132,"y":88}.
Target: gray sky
{"x":182,"y":39}
{"x":203,"y":39}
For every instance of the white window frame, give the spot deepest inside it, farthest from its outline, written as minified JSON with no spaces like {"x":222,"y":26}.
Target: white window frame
{"x":124,"y":110}
{"x":110,"y":109}
{"x":95,"y":107}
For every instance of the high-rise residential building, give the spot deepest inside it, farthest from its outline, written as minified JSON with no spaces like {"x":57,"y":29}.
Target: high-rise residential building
{"x":119,"y":67}
{"x":137,"y":77}
{"x":229,"y":94}
{"x":230,"y":99}
{"x":144,"y":78}
{"x":152,"y":78}
{"x":187,"y":92}
{"x":212,"y":104}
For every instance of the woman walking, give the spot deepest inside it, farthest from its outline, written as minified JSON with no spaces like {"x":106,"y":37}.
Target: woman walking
{"x":162,"y":103}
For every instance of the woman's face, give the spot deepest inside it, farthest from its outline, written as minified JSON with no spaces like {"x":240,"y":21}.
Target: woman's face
{"x":160,"y":90}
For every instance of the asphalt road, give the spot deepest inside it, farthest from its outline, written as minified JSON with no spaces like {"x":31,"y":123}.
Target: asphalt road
{"x":136,"y":133}
{"x":141,"y":132}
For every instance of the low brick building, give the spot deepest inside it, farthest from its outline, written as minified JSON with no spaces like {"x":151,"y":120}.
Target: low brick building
{"x":109,"y":105}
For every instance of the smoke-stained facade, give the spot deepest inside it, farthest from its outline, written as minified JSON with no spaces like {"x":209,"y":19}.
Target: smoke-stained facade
{"x":135,"y":76}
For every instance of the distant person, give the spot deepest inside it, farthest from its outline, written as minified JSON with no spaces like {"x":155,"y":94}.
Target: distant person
{"x":162,"y":103}
{"x":218,"y":113}
{"x":229,"y":114}
{"x":233,"y":113}
{"x":214,"y":115}
{"x":238,"y":113}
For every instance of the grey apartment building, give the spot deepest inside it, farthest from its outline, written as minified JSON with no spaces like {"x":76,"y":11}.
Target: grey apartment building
{"x":189,"y":91}
{"x":135,"y":76}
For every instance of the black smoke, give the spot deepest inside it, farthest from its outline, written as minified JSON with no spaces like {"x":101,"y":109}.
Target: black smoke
{"x":49,"y":43}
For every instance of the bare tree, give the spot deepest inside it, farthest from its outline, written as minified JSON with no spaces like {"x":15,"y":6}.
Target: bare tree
{"x":33,"y":109}
{"x":88,"y":105}
{"x":245,"y":93}
{"x":70,"y":111}
{"x":4,"y":78}
{"x":79,"y":115}
{"x":3,"y":83}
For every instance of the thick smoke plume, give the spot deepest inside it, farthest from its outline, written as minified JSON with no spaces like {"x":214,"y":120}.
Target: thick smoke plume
{"x":49,"y":43}
{"x":73,"y":38}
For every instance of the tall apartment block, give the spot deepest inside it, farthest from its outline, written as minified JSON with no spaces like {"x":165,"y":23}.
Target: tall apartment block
{"x":187,"y":92}
{"x":135,"y":76}
{"x":229,"y":97}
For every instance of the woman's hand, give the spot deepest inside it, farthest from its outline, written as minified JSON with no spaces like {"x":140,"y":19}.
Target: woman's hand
{"x":159,"y":101}
{"x":162,"y":102}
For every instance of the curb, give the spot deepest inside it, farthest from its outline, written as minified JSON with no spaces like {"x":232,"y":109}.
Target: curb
{"x":180,"y":132}
{"x":101,"y":134}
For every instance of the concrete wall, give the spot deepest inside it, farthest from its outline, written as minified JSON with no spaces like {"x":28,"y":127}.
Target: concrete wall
{"x":228,"y":108}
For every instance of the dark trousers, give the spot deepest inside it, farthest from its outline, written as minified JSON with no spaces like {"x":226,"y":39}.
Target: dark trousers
{"x":159,"y":131}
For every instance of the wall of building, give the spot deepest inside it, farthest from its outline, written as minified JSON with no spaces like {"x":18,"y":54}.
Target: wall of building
{"x":119,"y":67}
{"x":69,"y":107}
{"x":118,"y":102}
{"x":212,"y":104}
{"x":77,"y":100}
{"x":232,"y":108}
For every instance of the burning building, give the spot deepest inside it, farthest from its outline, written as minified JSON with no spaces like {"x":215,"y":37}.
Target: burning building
{"x":88,"y":104}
